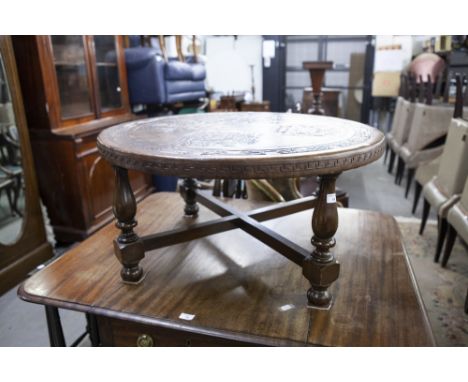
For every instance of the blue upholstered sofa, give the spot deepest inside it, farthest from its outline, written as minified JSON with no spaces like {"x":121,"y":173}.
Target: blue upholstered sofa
{"x":153,"y":80}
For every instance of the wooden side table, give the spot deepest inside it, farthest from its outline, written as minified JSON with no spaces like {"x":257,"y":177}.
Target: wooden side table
{"x":228,"y":289}
{"x":317,"y":72}
{"x":238,"y":146}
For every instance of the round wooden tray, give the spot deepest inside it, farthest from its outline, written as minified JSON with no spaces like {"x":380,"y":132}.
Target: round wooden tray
{"x":241,"y":145}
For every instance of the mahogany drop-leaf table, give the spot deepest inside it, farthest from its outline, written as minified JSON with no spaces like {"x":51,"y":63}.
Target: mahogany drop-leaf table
{"x":239,"y":146}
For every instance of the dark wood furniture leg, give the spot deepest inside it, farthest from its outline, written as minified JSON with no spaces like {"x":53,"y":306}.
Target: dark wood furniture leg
{"x":321,"y":267}
{"x":425,"y":215}
{"x":400,"y":171}
{"x":409,"y":179}
{"x":188,"y":190}
{"x":417,"y":194}
{"x":391,"y":162}
{"x":54,"y":327}
{"x":451,"y":236}
{"x":466,"y":302}
{"x":93,"y":329}
{"x":128,"y":247}
{"x":443,"y":225}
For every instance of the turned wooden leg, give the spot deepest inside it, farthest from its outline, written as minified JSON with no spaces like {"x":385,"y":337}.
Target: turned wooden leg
{"x":321,"y":267}
{"x":425,"y":215}
{"x":387,"y":148}
{"x":417,"y":194}
{"x":188,"y":190}
{"x":128,"y":247}
{"x":451,"y":236}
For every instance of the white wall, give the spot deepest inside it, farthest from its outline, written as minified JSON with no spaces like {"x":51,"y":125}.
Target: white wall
{"x":228,"y":60}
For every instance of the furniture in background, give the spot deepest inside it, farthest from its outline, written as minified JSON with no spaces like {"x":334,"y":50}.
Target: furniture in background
{"x":457,"y":220}
{"x":74,"y":87}
{"x":11,"y":171}
{"x":424,"y":173}
{"x":425,"y":140}
{"x":27,"y":246}
{"x":317,"y":72}
{"x":329,"y":101}
{"x":255,"y":106}
{"x":156,"y":79}
{"x":443,"y":191}
{"x":457,"y":63}
{"x":401,"y":122}
{"x":227,"y":290}
{"x":239,"y":146}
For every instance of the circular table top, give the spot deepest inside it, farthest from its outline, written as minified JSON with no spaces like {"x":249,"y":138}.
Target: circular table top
{"x":241,"y":145}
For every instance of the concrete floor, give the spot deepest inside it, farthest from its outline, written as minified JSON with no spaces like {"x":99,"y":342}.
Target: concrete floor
{"x":370,"y":187}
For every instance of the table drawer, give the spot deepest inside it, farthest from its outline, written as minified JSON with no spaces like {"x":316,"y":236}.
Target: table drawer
{"x":115,"y":332}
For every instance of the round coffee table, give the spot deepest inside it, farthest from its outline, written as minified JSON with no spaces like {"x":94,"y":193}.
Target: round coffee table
{"x":239,"y":146}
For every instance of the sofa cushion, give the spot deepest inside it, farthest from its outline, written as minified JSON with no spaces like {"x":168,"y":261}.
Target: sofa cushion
{"x":137,"y":58}
{"x":198,"y":72}
{"x":180,"y":71}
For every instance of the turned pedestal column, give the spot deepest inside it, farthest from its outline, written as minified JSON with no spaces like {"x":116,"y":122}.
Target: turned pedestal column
{"x":317,"y":72}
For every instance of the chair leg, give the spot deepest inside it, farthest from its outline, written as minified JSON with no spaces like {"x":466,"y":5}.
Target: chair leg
{"x":409,"y":179}
{"x":391,"y":161}
{"x":398,"y":170}
{"x":451,"y":236}
{"x":387,"y":148}
{"x":402,"y":170}
{"x":417,"y":194}
{"x":10,"y":201}
{"x":425,"y":214}
{"x":466,"y":302}
{"x":443,"y":225}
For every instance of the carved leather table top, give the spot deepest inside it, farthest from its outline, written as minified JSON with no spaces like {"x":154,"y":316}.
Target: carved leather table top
{"x":241,"y":145}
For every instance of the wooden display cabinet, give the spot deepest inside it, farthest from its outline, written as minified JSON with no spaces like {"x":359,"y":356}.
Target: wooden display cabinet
{"x":74,"y":87}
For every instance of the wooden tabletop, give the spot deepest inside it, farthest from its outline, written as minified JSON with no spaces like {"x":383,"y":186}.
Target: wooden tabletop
{"x":241,"y":145}
{"x":238,"y":288}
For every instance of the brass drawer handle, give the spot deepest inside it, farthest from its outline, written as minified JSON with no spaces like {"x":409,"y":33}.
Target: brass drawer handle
{"x":144,"y":340}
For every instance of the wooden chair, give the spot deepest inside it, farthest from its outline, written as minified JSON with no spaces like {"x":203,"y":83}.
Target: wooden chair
{"x":444,"y":190}
{"x":457,"y":219}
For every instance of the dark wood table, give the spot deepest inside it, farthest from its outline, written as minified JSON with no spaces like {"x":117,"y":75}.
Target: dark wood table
{"x":228,"y":289}
{"x":238,"y":146}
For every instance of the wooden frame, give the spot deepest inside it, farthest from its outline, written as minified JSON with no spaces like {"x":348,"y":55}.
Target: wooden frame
{"x":71,"y":175}
{"x":31,"y":247}
{"x":52,"y":90}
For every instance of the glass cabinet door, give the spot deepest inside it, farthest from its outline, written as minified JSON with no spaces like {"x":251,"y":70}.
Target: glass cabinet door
{"x":107,"y":72}
{"x":72,"y":76}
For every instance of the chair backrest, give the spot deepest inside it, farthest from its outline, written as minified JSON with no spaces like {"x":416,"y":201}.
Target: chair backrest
{"x":429,"y":123}
{"x":401,"y":129}
{"x":453,"y":168}
{"x":464,"y":197}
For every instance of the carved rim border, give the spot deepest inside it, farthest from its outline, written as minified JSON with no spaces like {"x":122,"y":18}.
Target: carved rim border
{"x":248,"y":168}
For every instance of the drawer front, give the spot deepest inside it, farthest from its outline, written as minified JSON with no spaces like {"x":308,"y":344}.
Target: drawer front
{"x":114,"y":332}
